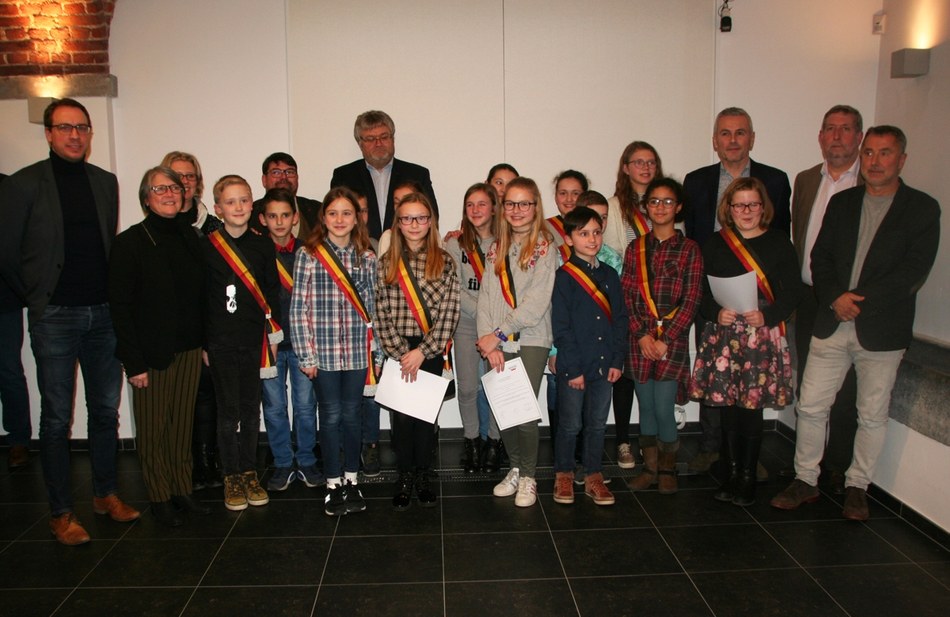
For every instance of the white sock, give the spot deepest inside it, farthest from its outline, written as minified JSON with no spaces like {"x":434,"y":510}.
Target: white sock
{"x":351,"y":477}
{"x":333,"y":482}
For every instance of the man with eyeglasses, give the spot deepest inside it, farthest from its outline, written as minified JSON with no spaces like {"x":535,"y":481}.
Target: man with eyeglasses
{"x":59,"y":220}
{"x":378,"y":172}
{"x":839,"y":139}
{"x":873,"y":253}
{"x":732,"y":140}
{"x":279,"y":171}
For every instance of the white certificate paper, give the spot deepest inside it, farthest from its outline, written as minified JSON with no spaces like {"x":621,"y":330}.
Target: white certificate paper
{"x":736,"y":293}
{"x":512,"y":399}
{"x":421,"y":398}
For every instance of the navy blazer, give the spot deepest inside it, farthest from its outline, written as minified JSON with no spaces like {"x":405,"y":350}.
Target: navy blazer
{"x":356,"y":176}
{"x":32,"y":243}
{"x":702,"y":186}
{"x":900,"y":257}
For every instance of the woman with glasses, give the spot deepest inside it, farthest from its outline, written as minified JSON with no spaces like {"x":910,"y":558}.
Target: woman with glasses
{"x":742,"y":363}
{"x":193,"y":210}
{"x":662,"y":284}
{"x":513,"y":318}
{"x":156,"y":287}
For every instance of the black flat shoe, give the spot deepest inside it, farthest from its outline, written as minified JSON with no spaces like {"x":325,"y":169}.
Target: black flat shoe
{"x":166,"y":514}
{"x":187,"y":503}
{"x":424,"y":493}
{"x":402,"y":499}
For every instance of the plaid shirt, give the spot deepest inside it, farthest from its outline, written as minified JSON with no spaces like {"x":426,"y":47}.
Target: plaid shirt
{"x":677,"y":268}
{"x":325,"y":329}
{"x":394,"y":320}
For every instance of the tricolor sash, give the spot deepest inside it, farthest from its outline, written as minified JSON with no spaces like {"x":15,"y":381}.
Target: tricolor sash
{"x":417,"y":306}
{"x":643,"y":270}
{"x":477,"y":259}
{"x":587,"y":284}
{"x":231,"y":254}
{"x":286,"y":278}
{"x":507,"y":284}
{"x":750,"y":261}
{"x":557,"y":222}
{"x":331,"y":263}
{"x":640,"y":224}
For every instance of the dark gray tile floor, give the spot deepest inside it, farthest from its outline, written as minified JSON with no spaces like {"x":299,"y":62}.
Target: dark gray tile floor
{"x":473,"y":554}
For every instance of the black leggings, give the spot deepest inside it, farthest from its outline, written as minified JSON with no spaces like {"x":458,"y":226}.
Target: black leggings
{"x":745,"y":422}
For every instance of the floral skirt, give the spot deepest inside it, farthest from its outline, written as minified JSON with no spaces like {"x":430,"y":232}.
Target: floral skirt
{"x":742,"y":366}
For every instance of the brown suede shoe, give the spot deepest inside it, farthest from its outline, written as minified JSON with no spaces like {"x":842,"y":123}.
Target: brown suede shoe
{"x":564,"y":487}
{"x":18,"y":457}
{"x":595,"y":488}
{"x":794,"y":495}
{"x":117,"y":509}
{"x":855,"y":504}
{"x":68,"y":530}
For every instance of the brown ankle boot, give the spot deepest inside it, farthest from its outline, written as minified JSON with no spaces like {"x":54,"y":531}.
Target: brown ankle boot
{"x":666,"y":467}
{"x":647,"y":477}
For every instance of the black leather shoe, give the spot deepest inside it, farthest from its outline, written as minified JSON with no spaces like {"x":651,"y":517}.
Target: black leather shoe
{"x":187,"y":503}
{"x":471,"y":455}
{"x":490,"y":454}
{"x":18,"y":457}
{"x":166,"y":514}
{"x":424,"y":493}
{"x":402,"y":499}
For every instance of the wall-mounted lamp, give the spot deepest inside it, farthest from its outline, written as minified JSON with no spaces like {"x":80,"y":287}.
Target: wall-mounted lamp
{"x":36,"y":105}
{"x":910,"y":63}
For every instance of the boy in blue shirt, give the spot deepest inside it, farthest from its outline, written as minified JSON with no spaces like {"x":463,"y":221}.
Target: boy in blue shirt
{"x":589,"y":321}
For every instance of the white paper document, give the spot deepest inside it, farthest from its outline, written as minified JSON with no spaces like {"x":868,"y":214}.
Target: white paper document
{"x":420,"y":399}
{"x":512,"y":399}
{"x":736,"y":293}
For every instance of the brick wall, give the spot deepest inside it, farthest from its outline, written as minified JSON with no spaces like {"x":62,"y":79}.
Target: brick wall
{"x":55,"y":37}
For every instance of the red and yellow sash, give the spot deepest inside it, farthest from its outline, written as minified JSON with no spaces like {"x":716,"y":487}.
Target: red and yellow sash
{"x":272,"y":332}
{"x":644,"y":285}
{"x":286,"y":279}
{"x":508,"y":291}
{"x":587,"y":284}
{"x":420,"y":312}
{"x":557,"y":222}
{"x":344,"y":282}
{"x":748,"y":259}
{"x":477,"y":259}
{"x":640,"y":224}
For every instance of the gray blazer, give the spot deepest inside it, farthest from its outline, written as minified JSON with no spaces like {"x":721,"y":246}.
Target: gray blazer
{"x":31,"y":234}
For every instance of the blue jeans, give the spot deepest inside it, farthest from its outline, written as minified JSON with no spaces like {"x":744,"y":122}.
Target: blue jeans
{"x":276,"y":421}
{"x":341,"y":401}
{"x":579,"y":410}
{"x":370,"y":420}
{"x":484,"y":415}
{"x":13,"y":392}
{"x":657,"y":409}
{"x":63,"y":336}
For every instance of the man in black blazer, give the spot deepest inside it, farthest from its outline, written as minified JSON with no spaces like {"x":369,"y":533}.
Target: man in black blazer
{"x":733,"y":139}
{"x":378,"y":173}
{"x":279,"y":170}
{"x":59,"y":220}
{"x":875,"y":249}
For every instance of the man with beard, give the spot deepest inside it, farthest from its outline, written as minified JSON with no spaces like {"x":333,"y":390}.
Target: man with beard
{"x":280,"y":172}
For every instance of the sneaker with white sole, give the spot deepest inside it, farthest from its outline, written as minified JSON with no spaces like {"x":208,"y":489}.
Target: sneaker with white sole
{"x":281,"y":479}
{"x":527,"y":493}
{"x":334,"y":503}
{"x":508,"y":486}
{"x":625,"y":458}
{"x":311,"y":476}
{"x":255,"y":493}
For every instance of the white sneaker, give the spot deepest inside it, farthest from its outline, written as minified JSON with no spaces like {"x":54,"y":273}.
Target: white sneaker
{"x":508,"y":486}
{"x":527,"y":493}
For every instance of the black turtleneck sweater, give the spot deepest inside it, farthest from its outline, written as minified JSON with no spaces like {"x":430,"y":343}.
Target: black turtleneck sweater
{"x":83,"y":280}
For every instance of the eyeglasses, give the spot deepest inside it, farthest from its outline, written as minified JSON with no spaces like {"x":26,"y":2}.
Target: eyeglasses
{"x":276,"y":173}
{"x":188,"y":177}
{"x":161,"y":189}
{"x":406,"y":221}
{"x":369,"y":139}
{"x":641,"y":163}
{"x":666,"y":203}
{"x":520,"y":205}
{"x":67,"y":129}
{"x":752,"y":206}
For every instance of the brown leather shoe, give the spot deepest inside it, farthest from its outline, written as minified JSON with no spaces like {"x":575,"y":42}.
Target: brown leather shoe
{"x":794,"y":495}
{"x":18,"y":457}
{"x":564,"y":487}
{"x":68,"y":530}
{"x":117,"y":509}
{"x":855,"y":504}
{"x":595,"y":488}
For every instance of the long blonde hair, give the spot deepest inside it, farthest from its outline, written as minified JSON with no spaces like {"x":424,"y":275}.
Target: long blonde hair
{"x":435,"y":258}
{"x":538,"y":230}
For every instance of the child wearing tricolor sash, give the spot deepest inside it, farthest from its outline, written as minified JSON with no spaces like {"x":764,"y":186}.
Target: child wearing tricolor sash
{"x":514,"y":318}
{"x":662,"y":286}
{"x":331,"y":326}
{"x":589,"y":322}
{"x":417,"y":309}
{"x":242,"y":293}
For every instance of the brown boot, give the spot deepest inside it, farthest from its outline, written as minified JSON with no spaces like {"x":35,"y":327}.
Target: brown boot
{"x":666,"y":467}
{"x":647,"y":477}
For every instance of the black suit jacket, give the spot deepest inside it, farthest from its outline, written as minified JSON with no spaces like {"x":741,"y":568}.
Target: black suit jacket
{"x":702,"y":185}
{"x":355,"y":176}
{"x":309,"y":210}
{"x":898,"y":261}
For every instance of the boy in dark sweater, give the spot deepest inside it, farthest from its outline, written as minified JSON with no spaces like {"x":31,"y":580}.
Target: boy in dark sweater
{"x":242,"y":289}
